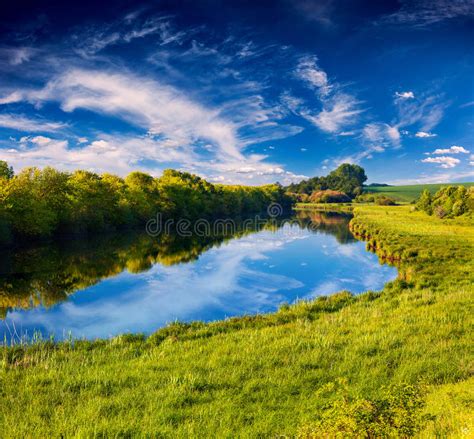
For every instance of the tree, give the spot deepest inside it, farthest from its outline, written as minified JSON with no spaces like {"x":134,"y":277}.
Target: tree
{"x":347,"y":178}
{"x":424,"y":202}
{"x":26,"y":206}
{"x":6,"y":171}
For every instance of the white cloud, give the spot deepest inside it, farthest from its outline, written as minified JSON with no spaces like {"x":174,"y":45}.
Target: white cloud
{"x":338,"y":109}
{"x":25,"y":124}
{"x":424,"y":134}
{"x":467,"y":104}
{"x":309,"y":71}
{"x":118,"y":155}
{"x":452,"y":150}
{"x":381,"y":134}
{"x":160,"y":109}
{"x":95,"y":39}
{"x":444,"y":161}
{"x":124,"y":154}
{"x":426,"y":112}
{"x":393,"y":134}
{"x":421,"y":13}
{"x":16,"y":55}
{"x":405,"y":95}
{"x":11,"y":98}
{"x":338,"y":112}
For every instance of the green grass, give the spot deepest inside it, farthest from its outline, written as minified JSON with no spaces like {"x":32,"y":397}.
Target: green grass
{"x":409,"y":193}
{"x":327,"y":207}
{"x":395,"y":363}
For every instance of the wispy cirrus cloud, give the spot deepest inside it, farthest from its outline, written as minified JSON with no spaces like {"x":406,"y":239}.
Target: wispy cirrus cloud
{"x":176,"y":129}
{"x":160,"y":109}
{"x":338,"y":112}
{"x":426,"y":112}
{"x":26,"y":124}
{"x":309,"y":71}
{"x":423,"y":13}
{"x":382,"y":134}
{"x":16,"y":55}
{"x":93,"y":39}
{"x":339,"y":109}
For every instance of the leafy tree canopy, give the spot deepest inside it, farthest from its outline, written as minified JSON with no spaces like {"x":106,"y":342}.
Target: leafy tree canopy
{"x":347,"y":178}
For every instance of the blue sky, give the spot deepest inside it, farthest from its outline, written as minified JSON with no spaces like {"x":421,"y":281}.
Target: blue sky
{"x":239,"y":92}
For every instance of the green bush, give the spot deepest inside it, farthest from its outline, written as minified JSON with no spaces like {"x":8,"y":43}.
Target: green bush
{"x":382,"y":200}
{"x":397,"y":412}
{"x":329,"y":196}
{"x":448,"y":202}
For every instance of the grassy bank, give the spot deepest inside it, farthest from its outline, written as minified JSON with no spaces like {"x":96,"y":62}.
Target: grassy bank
{"x":325,"y":207}
{"x":409,"y":193}
{"x":394,"y":363}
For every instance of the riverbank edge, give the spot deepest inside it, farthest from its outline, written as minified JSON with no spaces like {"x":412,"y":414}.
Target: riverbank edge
{"x":364,"y":230}
{"x":367,"y":224}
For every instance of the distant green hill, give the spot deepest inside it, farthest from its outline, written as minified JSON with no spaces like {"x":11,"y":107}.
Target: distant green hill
{"x":409,"y":193}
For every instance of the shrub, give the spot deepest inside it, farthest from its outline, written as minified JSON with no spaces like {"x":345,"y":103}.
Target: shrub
{"x":397,"y":413}
{"x":448,"y":202}
{"x":329,"y":196}
{"x":365,"y":198}
{"x":385,"y":201}
{"x":424,"y":202}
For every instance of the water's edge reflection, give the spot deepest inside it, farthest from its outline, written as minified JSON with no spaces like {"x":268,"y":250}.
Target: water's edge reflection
{"x":48,"y":274}
{"x":136,"y":283}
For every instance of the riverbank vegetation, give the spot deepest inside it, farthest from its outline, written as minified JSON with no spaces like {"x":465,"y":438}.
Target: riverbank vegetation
{"x":395,"y":363}
{"x":44,"y":203}
{"x":448,"y":202}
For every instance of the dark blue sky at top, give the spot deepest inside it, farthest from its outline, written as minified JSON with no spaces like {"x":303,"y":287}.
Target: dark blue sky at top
{"x":240,"y":91}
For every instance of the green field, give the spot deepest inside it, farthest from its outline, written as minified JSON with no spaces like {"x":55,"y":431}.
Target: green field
{"x":397,"y":363}
{"x":410,"y":193}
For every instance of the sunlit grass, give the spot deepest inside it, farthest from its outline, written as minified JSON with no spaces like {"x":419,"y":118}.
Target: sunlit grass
{"x":275,"y":374}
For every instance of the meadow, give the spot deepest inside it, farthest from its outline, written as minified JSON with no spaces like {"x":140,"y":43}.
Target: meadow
{"x":411,"y":192}
{"x":394,"y":363}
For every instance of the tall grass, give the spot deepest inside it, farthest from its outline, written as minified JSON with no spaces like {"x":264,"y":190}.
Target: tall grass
{"x":395,"y":363}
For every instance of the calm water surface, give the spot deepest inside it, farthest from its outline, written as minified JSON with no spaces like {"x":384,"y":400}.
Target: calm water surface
{"x":136,"y":283}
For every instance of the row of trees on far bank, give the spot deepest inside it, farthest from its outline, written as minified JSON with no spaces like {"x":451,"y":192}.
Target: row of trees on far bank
{"x":42,"y":203}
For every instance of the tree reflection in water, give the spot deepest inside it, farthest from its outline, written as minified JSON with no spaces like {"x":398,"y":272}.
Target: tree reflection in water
{"x":48,"y":274}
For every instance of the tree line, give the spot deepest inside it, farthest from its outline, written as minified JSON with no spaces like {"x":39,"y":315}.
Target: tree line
{"x":41,"y":203}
